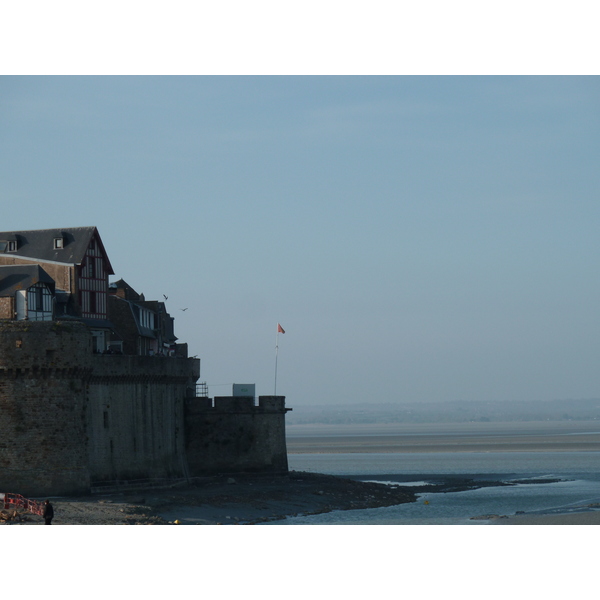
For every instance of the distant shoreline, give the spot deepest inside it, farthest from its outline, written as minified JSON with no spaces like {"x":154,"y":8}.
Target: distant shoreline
{"x":544,"y":436}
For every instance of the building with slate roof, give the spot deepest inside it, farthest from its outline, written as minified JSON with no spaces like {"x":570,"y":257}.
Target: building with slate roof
{"x":77,"y":262}
{"x":52,"y":274}
{"x":142,"y":327}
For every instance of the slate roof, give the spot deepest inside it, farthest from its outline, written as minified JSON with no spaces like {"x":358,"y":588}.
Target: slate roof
{"x":22,"y":277}
{"x":38,"y":244}
{"x":134,"y":300}
{"x":128,"y":292}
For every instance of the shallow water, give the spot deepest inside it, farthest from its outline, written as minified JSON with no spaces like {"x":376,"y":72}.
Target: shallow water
{"x":474,"y":463}
{"x":579,"y":471}
{"x":458,"y":507}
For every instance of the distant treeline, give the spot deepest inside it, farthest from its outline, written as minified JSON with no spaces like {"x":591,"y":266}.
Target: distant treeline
{"x":448,"y":412}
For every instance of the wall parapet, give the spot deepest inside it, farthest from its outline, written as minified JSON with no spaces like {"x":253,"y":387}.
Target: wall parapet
{"x":43,"y":344}
{"x":122,"y":365}
{"x":237,"y":404}
{"x":37,"y":372}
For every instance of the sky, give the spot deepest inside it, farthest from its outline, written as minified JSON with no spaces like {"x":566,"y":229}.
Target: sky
{"x":420,"y":239}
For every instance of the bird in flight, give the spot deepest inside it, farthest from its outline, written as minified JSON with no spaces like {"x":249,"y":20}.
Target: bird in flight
{"x":183,"y":309}
{"x":165,"y":297}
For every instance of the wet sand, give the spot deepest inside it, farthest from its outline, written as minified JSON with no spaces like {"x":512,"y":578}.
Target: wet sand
{"x":582,"y":518}
{"x":226,"y":501}
{"x":250,"y":500}
{"x":253,"y":500}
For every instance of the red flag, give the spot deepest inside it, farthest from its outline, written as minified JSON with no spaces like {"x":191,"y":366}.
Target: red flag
{"x":280,"y":328}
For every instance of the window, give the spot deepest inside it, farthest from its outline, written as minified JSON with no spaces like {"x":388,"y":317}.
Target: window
{"x":115,"y":347}
{"x":146,"y":318}
{"x":98,"y":341}
{"x":39,"y":303}
{"x":12,"y":247}
{"x":58,"y":243}
{"x":91,"y":268}
{"x":38,"y":298}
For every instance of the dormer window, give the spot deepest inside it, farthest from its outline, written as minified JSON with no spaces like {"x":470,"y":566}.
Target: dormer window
{"x":8,"y":246}
{"x":58,"y":243}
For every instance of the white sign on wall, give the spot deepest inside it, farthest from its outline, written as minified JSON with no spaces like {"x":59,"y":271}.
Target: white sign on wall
{"x":243,"y":389}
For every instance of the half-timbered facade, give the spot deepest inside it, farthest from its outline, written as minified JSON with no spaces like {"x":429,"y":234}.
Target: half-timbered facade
{"x":92,"y":281}
{"x":63,"y":274}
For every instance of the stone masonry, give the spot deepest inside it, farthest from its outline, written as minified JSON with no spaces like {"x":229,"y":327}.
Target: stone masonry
{"x":234,"y":435}
{"x":43,"y":428}
{"x":72,"y":420}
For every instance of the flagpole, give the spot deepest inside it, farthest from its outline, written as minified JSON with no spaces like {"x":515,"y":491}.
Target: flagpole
{"x":282,"y":330}
{"x":276,"y":353}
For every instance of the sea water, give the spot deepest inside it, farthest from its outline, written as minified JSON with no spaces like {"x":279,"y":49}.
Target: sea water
{"x":579,"y":484}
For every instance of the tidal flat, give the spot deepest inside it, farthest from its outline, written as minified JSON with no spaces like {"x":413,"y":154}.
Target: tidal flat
{"x":544,"y":436}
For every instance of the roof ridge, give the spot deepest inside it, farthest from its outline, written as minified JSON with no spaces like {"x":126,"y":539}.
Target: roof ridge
{"x":50,"y":229}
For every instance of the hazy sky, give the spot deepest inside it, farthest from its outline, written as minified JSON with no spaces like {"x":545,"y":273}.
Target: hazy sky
{"x":418,"y":238}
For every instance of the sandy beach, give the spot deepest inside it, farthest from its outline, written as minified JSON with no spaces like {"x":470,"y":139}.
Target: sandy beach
{"x":591,"y":517}
{"x":250,"y":500}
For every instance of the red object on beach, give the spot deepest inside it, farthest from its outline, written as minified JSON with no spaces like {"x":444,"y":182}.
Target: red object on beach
{"x":37,"y":508}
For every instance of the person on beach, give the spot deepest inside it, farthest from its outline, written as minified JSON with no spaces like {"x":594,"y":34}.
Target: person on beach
{"x":48,"y":512}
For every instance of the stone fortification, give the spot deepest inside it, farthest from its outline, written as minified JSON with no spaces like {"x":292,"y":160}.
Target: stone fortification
{"x":136,"y":412}
{"x":43,"y":401}
{"x":232,"y":435}
{"x":72,"y":420}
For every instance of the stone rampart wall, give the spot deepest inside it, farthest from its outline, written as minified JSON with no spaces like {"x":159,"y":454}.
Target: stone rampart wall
{"x":71,"y":419}
{"x":43,"y":438}
{"x":135,"y":416}
{"x":233,"y":435}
